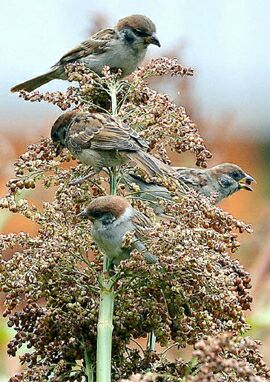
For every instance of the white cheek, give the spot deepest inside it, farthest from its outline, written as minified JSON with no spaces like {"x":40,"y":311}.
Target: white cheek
{"x":109,"y":237}
{"x":125,"y":217}
{"x":97,"y":225}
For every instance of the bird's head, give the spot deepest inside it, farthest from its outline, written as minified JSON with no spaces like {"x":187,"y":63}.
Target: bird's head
{"x":138,"y":30}
{"x":231,"y":178}
{"x":59,"y":130}
{"x":106,"y":210}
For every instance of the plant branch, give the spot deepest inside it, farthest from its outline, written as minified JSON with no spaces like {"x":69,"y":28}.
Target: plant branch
{"x":151,"y":341}
{"x":105,"y":319}
{"x":104,"y":330}
{"x":89,"y":370}
{"x":113,"y":180}
{"x":137,"y":343}
{"x":113,"y":91}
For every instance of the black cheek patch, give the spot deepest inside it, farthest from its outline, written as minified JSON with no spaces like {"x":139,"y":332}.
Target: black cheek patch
{"x":129,"y":36}
{"x":107,"y":220}
{"x":96,"y":215}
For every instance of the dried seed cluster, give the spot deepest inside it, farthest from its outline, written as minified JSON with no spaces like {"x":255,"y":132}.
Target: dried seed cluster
{"x":223,"y":358}
{"x":227,"y":358}
{"x":194,"y":290}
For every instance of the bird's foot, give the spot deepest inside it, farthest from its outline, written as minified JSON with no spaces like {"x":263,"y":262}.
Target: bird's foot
{"x":82,"y":179}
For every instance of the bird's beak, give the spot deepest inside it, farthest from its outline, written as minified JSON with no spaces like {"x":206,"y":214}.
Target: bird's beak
{"x":245,"y":183}
{"x":153,"y":40}
{"x":82,"y":215}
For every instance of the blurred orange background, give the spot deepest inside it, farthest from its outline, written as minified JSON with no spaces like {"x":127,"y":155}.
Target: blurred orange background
{"x":226,"y":42}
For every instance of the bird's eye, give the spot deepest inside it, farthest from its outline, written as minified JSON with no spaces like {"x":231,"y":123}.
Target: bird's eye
{"x":141,"y":33}
{"x":235,"y":175}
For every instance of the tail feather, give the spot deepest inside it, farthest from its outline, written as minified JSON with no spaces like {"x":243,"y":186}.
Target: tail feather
{"x":151,"y":165}
{"x":36,"y":82}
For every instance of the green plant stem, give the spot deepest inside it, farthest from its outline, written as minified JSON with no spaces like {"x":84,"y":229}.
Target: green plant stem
{"x":191,"y":365}
{"x":113,"y":91}
{"x":88,"y":367}
{"x":105,"y":317}
{"x":151,"y":341}
{"x":104,"y":331}
{"x":113,"y":181}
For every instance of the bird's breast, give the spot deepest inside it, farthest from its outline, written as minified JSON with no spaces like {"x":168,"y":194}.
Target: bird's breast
{"x":109,"y":239}
{"x":99,"y":158}
{"x":117,"y":56}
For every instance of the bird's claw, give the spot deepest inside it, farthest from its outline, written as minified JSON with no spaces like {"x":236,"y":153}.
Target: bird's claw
{"x":81,"y":179}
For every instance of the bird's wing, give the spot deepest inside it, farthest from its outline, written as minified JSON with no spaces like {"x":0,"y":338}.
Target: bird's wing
{"x":102,"y":132}
{"x":194,"y":178}
{"x":96,"y":44}
{"x":141,"y":223}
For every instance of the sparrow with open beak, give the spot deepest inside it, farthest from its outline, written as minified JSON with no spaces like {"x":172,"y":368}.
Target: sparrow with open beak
{"x":123,"y":47}
{"x":113,"y":217}
{"x":219,"y":182}
{"x":100,"y":140}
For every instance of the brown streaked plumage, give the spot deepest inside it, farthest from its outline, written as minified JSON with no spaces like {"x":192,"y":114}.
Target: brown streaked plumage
{"x":113,"y":217}
{"x":100,"y":140}
{"x":221,"y":181}
{"x":123,"y":47}
{"x":218,"y":182}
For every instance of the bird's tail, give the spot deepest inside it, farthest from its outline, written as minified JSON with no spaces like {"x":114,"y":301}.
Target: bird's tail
{"x":149,"y":164}
{"x":36,"y":82}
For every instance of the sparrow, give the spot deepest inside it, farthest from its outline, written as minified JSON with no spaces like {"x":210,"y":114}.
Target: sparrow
{"x":122,"y":47}
{"x":219,"y":182}
{"x":100,"y":140}
{"x":112,"y":218}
